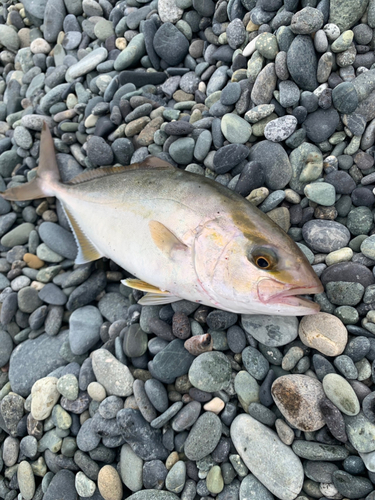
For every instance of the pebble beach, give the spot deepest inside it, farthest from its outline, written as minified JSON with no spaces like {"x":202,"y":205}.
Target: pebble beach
{"x":102,"y":398}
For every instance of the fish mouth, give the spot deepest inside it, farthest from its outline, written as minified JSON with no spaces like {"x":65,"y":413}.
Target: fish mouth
{"x":274,"y":292}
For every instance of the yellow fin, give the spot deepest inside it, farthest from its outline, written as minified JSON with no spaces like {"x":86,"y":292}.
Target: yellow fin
{"x":147,"y":164}
{"x":142,"y":285}
{"x":164,"y":239}
{"x":154,"y":299}
{"x":86,"y":249}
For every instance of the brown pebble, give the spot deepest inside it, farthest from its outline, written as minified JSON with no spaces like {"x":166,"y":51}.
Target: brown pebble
{"x":109,"y":483}
{"x":33,"y":261}
{"x":298,"y":398}
{"x":172,"y":459}
{"x":199,"y":343}
{"x":181,"y":325}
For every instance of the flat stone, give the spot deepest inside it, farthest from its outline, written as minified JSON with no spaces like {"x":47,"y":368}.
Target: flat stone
{"x":33,"y":360}
{"x":283,"y":475}
{"x":86,"y":64}
{"x":361,"y":432}
{"x":271,"y":331}
{"x":84,"y":329}
{"x":302,"y":62}
{"x":62,"y":486}
{"x":172,"y":362}
{"x":112,"y":374}
{"x":340,"y":392}
{"x":275,"y":163}
{"x":203,"y":437}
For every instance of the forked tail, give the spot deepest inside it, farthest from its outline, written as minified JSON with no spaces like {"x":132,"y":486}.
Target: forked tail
{"x":47,"y":174}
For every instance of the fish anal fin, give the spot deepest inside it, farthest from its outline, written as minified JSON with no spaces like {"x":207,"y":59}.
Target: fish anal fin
{"x":143,"y":286}
{"x":97,"y":173}
{"x":164,"y":239}
{"x":154,"y":299}
{"x":86,"y":249}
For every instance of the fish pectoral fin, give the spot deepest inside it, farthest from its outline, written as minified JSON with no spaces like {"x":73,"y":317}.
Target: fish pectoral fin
{"x":86,"y":249}
{"x":164,"y":239}
{"x":154,"y":299}
{"x":143,"y":286}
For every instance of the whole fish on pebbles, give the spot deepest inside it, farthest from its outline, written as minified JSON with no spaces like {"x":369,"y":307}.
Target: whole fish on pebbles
{"x":182,"y":236}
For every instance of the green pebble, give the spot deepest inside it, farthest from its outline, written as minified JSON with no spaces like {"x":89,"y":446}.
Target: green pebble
{"x":219,"y":339}
{"x":214,"y":480}
{"x":344,"y":293}
{"x":359,"y":220}
{"x":369,"y":295}
{"x":184,"y":105}
{"x":61,"y":418}
{"x":18,"y":236}
{"x":50,"y":441}
{"x":69,"y":447}
{"x":235,"y":129}
{"x":321,"y":192}
{"x":47,"y":255}
{"x":169,"y":114}
{"x":355,"y":243}
{"x":348,"y":315}
{"x":343,"y":42}
{"x":8,"y":161}
{"x":212,"y":98}
{"x":47,"y":274}
{"x":266,"y":45}
{"x":247,"y":388}
{"x":368,"y":247}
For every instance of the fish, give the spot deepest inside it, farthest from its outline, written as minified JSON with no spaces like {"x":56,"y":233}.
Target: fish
{"x":180,"y":235}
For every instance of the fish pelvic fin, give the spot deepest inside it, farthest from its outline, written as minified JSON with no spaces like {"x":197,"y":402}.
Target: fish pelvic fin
{"x":142,"y":286}
{"x":47,"y":173}
{"x":154,"y":299}
{"x":164,"y":239}
{"x":154,"y":295}
{"x":87,"y":252}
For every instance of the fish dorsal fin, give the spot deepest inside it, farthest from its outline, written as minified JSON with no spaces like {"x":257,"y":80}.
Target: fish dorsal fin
{"x":86,"y":249}
{"x":164,"y":239}
{"x":154,"y":299}
{"x":142,"y":285}
{"x":147,"y":164}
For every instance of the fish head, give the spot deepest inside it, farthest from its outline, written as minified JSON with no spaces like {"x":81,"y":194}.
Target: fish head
{"x":259,"y":270}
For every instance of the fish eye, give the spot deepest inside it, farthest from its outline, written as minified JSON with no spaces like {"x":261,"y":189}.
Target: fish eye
{"x":262,"y":262}
{"x":263,"y":258}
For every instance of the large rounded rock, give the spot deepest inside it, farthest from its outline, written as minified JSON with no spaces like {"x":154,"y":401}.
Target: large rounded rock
{"x":298,"y":398}
{"x":33,"y":360}
{"x":323,"y":332}
{"x":268,"y":458}
{"x":321,"y":124}
{"x":325,"y":235}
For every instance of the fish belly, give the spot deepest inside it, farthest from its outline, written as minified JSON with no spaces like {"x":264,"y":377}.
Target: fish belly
{"x":118,"y":227}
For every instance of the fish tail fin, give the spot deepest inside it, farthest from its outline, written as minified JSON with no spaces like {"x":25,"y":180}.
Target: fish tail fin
{"x":47,"y":174}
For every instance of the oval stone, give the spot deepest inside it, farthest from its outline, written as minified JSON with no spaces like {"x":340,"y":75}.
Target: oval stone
{"x":325,"y":236}
{"x":340,"y":392}
{"x":203,"y":437}
{"x":272,"y":331}
{"x":298,"y":398}
{"x":268,"y":458}
{"x":323,"y":332}
{"x":210,"y":372}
